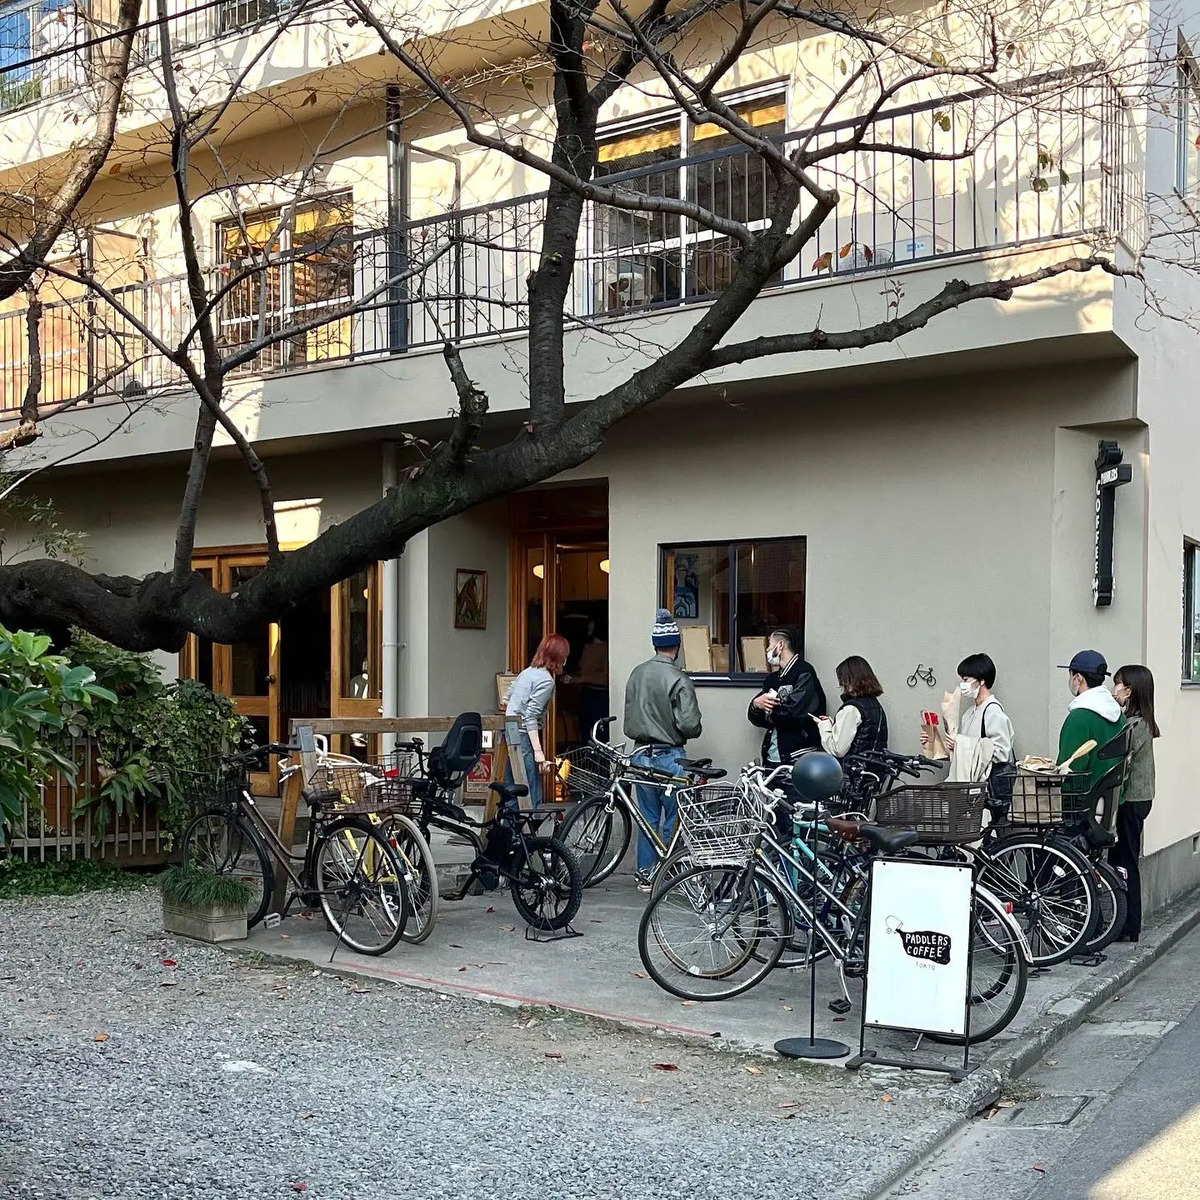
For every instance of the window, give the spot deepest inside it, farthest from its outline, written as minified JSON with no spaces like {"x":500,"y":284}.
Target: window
{"x":299,"y":265}
{"x":647,"y":258}
{"x":728,"y":596}
{"x":1187,"y":158}
{"x":1191,"y":613}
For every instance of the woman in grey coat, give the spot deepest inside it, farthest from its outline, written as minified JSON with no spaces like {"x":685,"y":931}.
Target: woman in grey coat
{"x":1133,"y":687}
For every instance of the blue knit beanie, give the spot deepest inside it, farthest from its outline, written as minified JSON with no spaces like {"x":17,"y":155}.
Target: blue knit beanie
{"x":666,"y":632}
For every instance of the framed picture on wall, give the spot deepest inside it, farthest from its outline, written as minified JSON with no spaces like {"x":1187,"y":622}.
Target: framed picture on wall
{"x":470,"y":599}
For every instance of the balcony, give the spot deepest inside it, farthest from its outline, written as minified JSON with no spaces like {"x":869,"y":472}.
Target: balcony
{"x":1031,"y":179}
{"x":46,"y":46}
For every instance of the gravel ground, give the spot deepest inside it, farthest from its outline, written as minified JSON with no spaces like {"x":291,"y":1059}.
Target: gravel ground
{"x":219,"y":1076}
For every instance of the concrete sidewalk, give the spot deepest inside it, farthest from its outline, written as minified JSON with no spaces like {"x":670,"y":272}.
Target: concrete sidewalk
{"x":478,"y":949}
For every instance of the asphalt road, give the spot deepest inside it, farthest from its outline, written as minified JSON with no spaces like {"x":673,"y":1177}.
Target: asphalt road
{"x":1112,"y":1113}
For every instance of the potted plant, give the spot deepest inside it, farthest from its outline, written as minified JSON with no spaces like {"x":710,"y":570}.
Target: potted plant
{"x":201,"y":904}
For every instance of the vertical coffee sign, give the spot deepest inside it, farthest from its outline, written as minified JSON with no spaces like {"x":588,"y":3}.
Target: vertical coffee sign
{"x":1111,"y":473}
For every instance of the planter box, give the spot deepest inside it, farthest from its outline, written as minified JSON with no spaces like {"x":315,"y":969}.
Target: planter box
{"x":205,"y":924}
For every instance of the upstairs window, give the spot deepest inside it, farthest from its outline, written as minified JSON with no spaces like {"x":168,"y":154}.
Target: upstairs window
{"x":293,"y":267}
{"x":1187,"y":156}
{"x":645,"y":258}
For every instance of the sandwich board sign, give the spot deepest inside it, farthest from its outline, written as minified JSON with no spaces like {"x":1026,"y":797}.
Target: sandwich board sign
{"x":919,"y":948}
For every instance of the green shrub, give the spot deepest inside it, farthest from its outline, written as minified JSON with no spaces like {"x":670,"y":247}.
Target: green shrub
{"x":41,"y":696}
{"x":153,"y":738}
{"x":66,"y":878}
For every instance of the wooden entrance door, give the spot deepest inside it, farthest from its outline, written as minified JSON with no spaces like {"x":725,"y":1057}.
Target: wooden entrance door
{"x":553,"y":566}
{"x":250,"y":673}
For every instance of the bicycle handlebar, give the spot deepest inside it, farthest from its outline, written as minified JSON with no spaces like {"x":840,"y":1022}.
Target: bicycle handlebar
{"x":248,"y":756}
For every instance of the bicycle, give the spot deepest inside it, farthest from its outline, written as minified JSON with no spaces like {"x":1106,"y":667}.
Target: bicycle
{"x":1046,"y":879}
{"x":356,"y":781}
{"x":598,"y":829}
{"x":543,"y":875}
{"x":348,"y":869}
{"x":723,"y":924}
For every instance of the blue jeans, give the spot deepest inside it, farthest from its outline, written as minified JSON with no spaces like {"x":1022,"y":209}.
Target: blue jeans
{"x":657,"y":807}
{"x":520,"y":748}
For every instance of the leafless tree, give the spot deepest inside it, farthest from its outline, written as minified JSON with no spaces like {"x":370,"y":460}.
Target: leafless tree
{"x":976,"y":83}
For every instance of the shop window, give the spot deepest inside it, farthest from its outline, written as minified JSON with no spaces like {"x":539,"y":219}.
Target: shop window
{"x":293,"y":265}
{"x":728,"y":596}
{"x":645,"y":258}
{"x":1191,"y":613}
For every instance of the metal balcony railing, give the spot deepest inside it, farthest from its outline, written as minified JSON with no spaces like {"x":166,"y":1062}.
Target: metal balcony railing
{"x":1026,"y":177}
{"x":47,"y":46}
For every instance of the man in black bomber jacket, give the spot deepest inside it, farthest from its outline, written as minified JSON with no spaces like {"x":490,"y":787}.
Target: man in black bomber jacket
{"x":789,"y":699}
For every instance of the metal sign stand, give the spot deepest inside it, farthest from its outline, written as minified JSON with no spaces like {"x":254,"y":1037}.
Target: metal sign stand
{"x":812,"y":1046}
{"x":864,"y":1056}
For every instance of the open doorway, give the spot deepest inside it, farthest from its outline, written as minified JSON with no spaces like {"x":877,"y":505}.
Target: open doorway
{"x":560,"y":581}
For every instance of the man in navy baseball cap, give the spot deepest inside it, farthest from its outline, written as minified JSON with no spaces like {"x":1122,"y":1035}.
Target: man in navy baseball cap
{"x":1087,"y":662}
{"x":1093,"y":715}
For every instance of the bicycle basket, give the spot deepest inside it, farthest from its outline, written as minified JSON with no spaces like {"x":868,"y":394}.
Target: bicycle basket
{"x":364,"y":787}
{"x":586,"y":771}
{"x":1042,"y":801}
{"x":719,"y":824}
{"x":943,"y":814}
{"x":210,"y":782}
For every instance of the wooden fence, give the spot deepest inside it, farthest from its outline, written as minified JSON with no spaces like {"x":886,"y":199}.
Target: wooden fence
{"x":51,"y":832}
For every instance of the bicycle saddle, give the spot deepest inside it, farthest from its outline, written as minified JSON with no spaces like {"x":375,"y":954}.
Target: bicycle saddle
{"x":707,"y":772}
{"x":695,"y":764}
{"x":509,"y":791}
{"x":876,"y":836}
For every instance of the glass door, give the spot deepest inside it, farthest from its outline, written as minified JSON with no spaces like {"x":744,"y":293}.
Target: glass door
{"x":357,"y":657}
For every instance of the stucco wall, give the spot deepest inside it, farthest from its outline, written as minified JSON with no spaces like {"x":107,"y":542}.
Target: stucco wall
{"x":933,"y":519}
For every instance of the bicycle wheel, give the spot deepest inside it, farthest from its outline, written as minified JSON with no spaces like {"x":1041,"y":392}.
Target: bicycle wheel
{"x":1112,"y":909}
{"x":1051,"y":888}
{"x":546,"y":884}
{"x":221,"y":841}
{"x":360,"y":881}
{"x":714,"y":932}
{"x":597,"y":833}
{"x":999,"y":972}
{"x":420,"y":874}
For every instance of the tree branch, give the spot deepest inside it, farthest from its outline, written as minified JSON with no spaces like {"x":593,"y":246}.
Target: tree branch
{"x":112,"y":72}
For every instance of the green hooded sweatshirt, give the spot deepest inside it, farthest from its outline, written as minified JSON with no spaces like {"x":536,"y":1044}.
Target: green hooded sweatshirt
{"x":1093,"y":715}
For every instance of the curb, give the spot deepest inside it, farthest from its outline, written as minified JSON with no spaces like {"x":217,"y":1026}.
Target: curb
{"x":987,"y":1081}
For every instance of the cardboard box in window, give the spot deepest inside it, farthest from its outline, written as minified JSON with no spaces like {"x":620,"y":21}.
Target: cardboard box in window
{"x":754,"y":654}
{"x":720,"y":658}
{"x":695,"y":651}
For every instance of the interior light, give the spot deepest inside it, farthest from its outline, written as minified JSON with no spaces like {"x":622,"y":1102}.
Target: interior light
{"x":604,"y":564}
{"x":539,"y":571}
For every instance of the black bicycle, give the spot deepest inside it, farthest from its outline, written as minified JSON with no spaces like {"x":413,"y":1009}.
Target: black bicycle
{"x":542,"y":874}
{"x":348,"y":869}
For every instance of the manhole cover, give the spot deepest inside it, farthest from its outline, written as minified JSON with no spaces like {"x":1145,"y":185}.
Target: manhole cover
{"x":1050,"y":1110}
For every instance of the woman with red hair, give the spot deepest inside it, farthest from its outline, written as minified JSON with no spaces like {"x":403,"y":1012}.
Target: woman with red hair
{"x":524,"y":709}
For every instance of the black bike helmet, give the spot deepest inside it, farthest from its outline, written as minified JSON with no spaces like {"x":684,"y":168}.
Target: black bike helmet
{"x":816,"y":777}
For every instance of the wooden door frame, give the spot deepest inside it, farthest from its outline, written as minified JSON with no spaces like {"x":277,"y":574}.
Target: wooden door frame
{"x":263,"y":782}
{"x":341,"y":705}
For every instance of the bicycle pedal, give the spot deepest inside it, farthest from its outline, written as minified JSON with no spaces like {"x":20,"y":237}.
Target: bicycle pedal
{"x":840,"y":1005}
{"x":271,"y":920}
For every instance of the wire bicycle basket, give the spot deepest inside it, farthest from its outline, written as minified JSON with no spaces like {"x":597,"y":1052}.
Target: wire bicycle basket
{"x":1048,"y":801}
{"x":719,"y":824}
{"x":943,"y":814}
{"x":363,"y":787}
{"x":586,"y":771}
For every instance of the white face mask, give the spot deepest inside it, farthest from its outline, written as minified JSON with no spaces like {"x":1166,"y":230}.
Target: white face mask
{"x":774,"y":657}
{"x":969,"y":689}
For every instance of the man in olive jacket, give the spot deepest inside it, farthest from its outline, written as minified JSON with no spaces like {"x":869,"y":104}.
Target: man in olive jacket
{"x":1093,"y":715}
{"x":788,"y":700}
{"x":661,"y":716}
